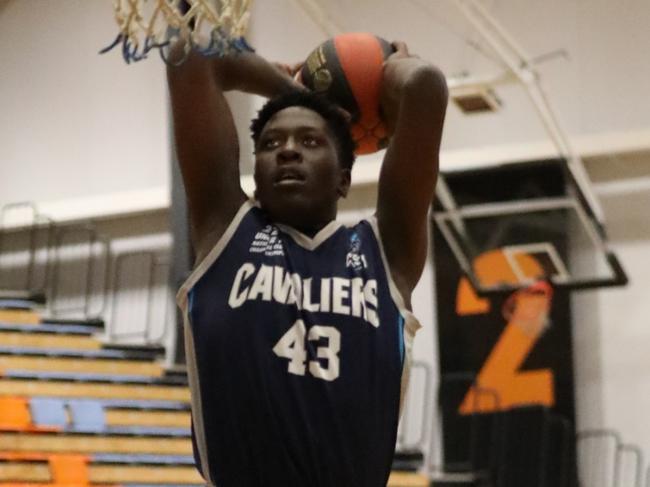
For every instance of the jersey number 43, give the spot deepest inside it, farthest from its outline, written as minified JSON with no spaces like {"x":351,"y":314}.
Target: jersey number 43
{"x":293,"y":346}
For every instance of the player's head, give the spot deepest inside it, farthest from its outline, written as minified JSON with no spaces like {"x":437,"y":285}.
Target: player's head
{"x":304,"y":153}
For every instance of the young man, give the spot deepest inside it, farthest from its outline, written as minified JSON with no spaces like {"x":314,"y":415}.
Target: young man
{"x":298,"y":330}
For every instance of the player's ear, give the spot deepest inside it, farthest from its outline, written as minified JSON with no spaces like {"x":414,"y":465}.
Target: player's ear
{"x":345,"y":178}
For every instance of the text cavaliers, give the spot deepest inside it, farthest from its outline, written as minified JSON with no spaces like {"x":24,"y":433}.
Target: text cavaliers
{"x":352,"y":297}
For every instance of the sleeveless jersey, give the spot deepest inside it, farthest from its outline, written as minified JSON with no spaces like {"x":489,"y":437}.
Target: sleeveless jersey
{"x":297,"y":351}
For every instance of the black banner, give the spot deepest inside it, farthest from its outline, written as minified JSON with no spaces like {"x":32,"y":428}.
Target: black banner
{"x":506,"y":392}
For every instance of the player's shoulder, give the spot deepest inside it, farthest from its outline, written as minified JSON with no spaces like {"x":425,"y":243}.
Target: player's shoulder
{"x":366,"y":229}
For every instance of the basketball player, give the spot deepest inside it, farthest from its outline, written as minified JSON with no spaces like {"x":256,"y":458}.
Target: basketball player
{"x":298,"y":329}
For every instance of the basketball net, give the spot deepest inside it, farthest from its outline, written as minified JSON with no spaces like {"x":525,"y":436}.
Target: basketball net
{"x":529,"y":308}
{"x":211,"y":27}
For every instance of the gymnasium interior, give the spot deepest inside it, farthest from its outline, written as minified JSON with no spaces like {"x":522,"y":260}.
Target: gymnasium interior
{"x":545,"y":165}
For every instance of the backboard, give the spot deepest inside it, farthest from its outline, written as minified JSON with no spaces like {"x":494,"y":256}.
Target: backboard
{"x":531,"y":220}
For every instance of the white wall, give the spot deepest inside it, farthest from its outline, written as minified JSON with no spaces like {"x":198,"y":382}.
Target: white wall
{"x":612,"y":332}
{"x":74,"y":123}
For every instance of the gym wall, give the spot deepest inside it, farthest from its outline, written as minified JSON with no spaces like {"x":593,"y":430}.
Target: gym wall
{"x":76,"y":124}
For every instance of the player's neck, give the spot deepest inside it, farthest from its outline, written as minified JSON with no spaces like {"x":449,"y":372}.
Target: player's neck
{"x":311,"y":232}
{"x":311,"y":229}
{"x":308,"y":226}
{"x":307,"y":219}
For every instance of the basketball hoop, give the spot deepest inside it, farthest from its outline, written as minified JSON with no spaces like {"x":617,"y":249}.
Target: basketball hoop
{"x":211,"y":27}
{"x":529,"y":308}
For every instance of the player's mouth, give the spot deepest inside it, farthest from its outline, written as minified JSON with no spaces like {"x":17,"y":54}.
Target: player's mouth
{"x":289,"y":177}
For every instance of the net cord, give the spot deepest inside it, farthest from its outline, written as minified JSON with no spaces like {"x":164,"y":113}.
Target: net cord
{"x":210,"y":28}
{"x":529,"y":308}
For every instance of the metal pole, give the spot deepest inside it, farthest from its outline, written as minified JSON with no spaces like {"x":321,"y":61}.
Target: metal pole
{"x":517,"y":60}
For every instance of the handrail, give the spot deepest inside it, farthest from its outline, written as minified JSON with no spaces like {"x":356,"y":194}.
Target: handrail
{"x":92,"y":241}
{"x":31,"y":227}
{"x":418,"y":443}
{"x":154,"y":263}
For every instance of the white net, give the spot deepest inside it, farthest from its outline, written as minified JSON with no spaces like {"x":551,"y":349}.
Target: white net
{"x":529,"y":308}
{"x":207,"y":26}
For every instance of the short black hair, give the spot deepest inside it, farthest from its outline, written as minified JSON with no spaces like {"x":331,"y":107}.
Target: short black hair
{"x":334,"y":118}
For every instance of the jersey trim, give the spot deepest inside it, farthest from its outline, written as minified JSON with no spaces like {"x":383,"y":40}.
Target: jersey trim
{"x":206,"y":263}
{"x":311,"y":243}
{"x":411,"y":324}
{"x":197,"y":407}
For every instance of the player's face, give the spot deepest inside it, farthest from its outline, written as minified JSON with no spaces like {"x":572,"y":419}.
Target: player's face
{"x":297,"y":172}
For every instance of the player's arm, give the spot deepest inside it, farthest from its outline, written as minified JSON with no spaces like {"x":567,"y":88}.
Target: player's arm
{"x":206,"y":138}
{"x":414,"y":100}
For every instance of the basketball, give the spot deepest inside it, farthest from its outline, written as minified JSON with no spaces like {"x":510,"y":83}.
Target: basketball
{"x":348,"y":70}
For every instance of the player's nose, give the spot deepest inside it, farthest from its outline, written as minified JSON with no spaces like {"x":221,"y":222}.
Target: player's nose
{"x":290,"y":152}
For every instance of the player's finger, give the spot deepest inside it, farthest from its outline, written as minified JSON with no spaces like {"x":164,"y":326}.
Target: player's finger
{"x":345,"y":113}
{"x":284,"y":68}
{"x":296,"y":67}
{"x":400,"y":48}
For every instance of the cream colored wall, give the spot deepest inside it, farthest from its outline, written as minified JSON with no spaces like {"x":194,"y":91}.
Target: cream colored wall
{"x":74,"y":123}
{"x":611,"y":326}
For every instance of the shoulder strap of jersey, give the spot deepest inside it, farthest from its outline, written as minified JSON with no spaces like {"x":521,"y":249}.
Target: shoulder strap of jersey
{"x":213,"y":255}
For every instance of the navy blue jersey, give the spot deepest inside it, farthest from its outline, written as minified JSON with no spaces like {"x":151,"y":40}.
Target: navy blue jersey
{"x":298,"y":352}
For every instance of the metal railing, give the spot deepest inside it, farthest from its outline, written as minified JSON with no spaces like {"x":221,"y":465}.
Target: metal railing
{"x":80,"y":271}
{"x":480,"y":425}
{"x":603,"y":460}
{"x":506,"y":447}
{"x":147,"y":272}
{"x":414,"y":425}
{"x":25,"y":248}
{"x":76,"y":271}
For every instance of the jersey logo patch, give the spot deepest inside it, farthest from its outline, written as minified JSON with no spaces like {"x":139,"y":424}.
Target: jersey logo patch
{"x":267,"y":242}
{"x":355,"y":259}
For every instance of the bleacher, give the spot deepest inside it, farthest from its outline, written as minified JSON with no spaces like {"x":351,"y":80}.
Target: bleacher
{"x":74,"y":411}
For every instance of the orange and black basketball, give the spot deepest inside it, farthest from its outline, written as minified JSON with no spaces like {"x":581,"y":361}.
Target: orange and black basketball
{"x":348,"y":70}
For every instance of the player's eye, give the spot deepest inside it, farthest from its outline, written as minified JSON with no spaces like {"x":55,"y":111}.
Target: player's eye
{"x":270,"y":143}
{"x":311,"y":141}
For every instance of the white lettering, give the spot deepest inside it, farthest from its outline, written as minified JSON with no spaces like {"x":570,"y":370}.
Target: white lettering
{"x":281,"y":284}
{"x":358,"y":301}
{"x":352,"y":297}
{"x":296,"y":290}
{"x":306,"y":296}
{"x":263,"y":284}
{"x":237,"y":298}
{"x":339,"y":293}
{"x":370,"y":293}
{"x":325,"y":294}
